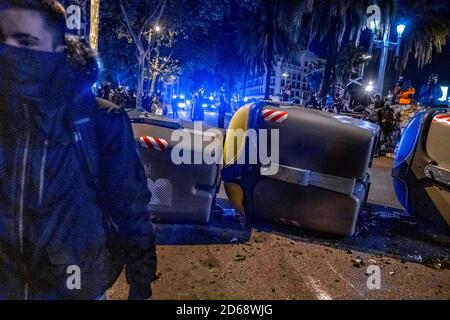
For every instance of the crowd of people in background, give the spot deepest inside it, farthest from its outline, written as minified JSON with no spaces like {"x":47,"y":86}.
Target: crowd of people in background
{"x":386,"y":112}
{"x":156,"y":104}
{"x":120,"y":95}
{"x":355,"y":98}
{"x":126,"y":99}
{"x":389,"y":113}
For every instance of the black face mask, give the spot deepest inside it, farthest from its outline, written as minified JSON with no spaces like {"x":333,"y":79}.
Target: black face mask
{"x":40,"y":81}
{"x":29,"y":74}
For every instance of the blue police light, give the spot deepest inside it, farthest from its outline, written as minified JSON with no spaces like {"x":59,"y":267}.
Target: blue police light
{"x":444,"y":94}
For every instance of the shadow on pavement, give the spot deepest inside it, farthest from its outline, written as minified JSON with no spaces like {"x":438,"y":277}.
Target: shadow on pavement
{"x":381,"y":230}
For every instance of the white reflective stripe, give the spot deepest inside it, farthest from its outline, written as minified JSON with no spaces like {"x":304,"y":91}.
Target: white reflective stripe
{"x":164,"y":142}
{"x":273,"y":115}
{"x":154,"y":143}
{"x":143,"y":143}
{"x":282,"y":119}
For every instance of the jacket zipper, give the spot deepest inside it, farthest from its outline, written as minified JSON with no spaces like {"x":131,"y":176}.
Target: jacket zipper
{"x":22,"y":197}
{"x":42,"y":173}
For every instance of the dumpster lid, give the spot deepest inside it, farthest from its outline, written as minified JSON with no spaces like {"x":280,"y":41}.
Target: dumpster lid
{"x":148,"y":118}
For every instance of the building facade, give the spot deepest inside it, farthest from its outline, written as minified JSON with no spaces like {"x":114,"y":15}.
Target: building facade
{"x":294,"y":73}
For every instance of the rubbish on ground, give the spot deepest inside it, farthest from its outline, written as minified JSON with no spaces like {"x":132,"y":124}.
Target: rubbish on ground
{"x":358,"y":262}
{"x":239,"y":257}
{"x":234,"y":240}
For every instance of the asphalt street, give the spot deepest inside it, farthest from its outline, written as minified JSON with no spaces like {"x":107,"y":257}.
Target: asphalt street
{"x":235,"y":259}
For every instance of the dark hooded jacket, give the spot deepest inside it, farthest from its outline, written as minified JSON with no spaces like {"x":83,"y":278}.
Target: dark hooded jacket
{"x":73,"y":192}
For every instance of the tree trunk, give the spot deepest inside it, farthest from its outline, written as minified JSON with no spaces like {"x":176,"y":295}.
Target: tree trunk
{"x":154,"y":73}
{"x":140,"y":85}
{"x":153,"y":85}
{"x":331,"y":60}
{"x":268,"y":64}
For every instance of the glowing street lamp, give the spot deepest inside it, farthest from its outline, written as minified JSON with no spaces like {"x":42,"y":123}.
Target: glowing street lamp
{"x":285,"y":75}
{"x":400,"y":29}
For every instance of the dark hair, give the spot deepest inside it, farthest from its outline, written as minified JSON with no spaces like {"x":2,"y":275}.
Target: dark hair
{"x":52,"y":11}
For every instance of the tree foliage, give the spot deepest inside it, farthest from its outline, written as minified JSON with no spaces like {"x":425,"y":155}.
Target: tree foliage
{"x":222,"y":40}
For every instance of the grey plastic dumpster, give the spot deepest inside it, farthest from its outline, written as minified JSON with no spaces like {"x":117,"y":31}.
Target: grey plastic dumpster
{"x":181,"y":193}
{"x":322,"y":180}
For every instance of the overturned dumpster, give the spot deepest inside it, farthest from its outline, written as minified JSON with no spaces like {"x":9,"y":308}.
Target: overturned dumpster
{"x":288,"y":164}
{"x":422,"y":168}
{"x":321,"y":179}
{"x":182,"y":192}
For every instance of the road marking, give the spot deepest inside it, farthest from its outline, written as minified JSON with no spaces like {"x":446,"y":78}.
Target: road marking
{"x":320,"y":293}
{"x":345,"y":280}
{"x":313,"y":285}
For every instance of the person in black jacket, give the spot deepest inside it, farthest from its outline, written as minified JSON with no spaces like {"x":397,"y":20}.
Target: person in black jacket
{"x":73,"y":191}
{"x":223,"y":107}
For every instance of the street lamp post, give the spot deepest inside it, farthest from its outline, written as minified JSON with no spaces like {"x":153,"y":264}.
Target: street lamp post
{"x":384,"y":55}
{"x":385,"y":45}
{"x":363,"y":67}
{"x":400,"y":30}
{"x":285,"y":76}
